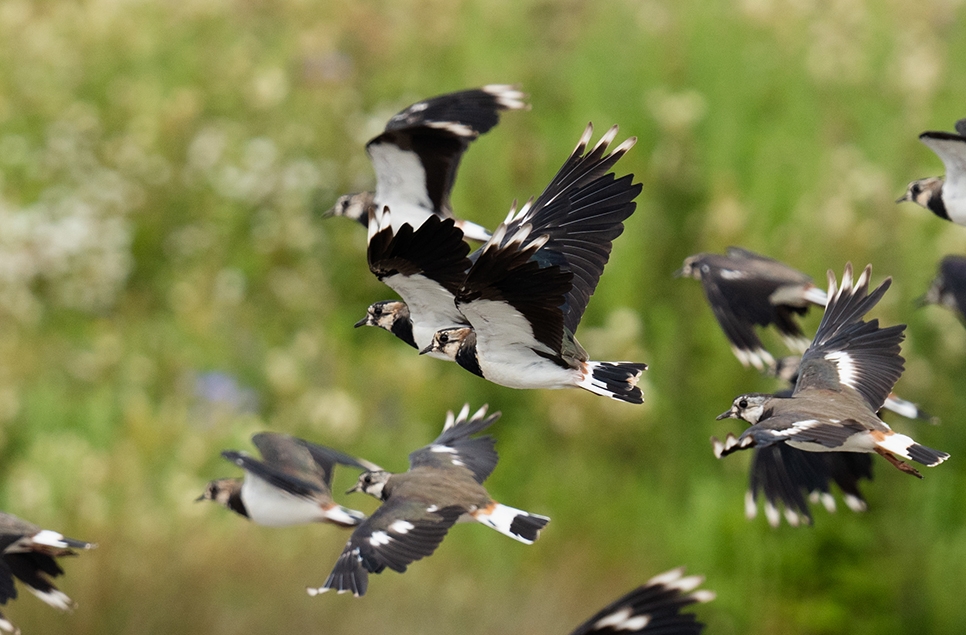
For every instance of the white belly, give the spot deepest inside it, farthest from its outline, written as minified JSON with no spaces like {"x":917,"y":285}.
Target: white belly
{"x":525,"y":369}
{"x":270,"y":506}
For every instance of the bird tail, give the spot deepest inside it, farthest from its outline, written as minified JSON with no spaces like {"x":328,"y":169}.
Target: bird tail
{"x":617,"y":380}
{"x":343,"y":516}
{"x":515,"y":523}
{"x":907,"y":448}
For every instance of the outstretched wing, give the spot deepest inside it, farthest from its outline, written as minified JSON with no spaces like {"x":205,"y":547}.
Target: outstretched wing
{"x":535,"y":275}
{"x":849,"y":352}
{"x":454,"y":447}
{"x":397,"y":534}
{"x":417,"y":156}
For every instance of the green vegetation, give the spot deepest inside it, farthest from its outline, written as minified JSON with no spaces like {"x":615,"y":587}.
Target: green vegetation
{"x":163,"y":167}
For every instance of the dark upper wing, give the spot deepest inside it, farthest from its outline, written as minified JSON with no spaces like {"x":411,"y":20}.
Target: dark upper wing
{"x":454,"y":447}
{"x":311,"y":485}
{"x":436,"y":250}
{"x":849,"y":352}
{"x":582,"y":210}
{"x":398,"y":533}
{"x":545,"y":261}
{"x":654,"y":608}
{"x":434,"y":133}
{"x":7,"y":589}
{"x":326,"y":458}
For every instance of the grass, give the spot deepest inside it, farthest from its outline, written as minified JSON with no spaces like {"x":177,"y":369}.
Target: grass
{"x":162,"y":170}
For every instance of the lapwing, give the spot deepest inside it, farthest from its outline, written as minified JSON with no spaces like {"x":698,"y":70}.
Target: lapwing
{"x":948,"y":288}
{"x":426,"y":267}
{"x":653,"y":608}
{"x":530,"y":283}
{"x":845,"y":376}
{"x":946,"y":198}
{"x":746,"y":289}
{"x":443,"y":485}
{"x":28,"y":553}
{"x":290,"y":485}
{"x":418,"y":154}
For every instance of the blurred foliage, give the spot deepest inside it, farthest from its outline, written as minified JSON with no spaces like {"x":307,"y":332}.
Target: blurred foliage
{"x":167,"y":288}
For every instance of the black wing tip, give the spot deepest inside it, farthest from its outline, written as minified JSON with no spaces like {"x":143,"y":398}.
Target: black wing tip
{"x":348,"y":575}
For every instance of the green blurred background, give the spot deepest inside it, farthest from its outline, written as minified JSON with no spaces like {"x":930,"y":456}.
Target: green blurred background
{"x":167,"y":288}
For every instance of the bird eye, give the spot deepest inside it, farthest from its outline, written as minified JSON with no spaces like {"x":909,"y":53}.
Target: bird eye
{"x":377,"y":311}
{"x":915,"y":189}
{"x":443,"y":338}
{"x":743,"y":403}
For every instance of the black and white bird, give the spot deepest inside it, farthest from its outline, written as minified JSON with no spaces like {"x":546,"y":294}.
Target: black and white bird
{"x":28,"y":553}
{"x":426,"y":267}
{"x":290,"y":485}
{"x":746,"y":289}
{"x":443,"y":485}
{"x":529,"y":285}
{"x":844,"y":378}
{"x":418,"y":154}
{"x":653,"y":608}
{"x":946,"y":198}
{"x":948,"y":288}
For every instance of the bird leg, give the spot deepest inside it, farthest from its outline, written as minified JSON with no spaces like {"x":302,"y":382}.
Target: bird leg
{"x":904,"y":467}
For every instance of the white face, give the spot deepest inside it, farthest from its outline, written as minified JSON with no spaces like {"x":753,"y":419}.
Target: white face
{"x":447,"y":341}
{"x":749,"y":407}
{"x":373,"y":483}
{"x":384,"y":314}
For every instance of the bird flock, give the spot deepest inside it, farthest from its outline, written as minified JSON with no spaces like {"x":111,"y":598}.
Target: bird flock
{"x":508,"y":312}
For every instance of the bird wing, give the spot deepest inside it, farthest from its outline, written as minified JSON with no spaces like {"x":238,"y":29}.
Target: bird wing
{"x":655,"y":607}
{"x":398,"y":533}
{"x":581,"y":211}
{"x":417,"y":157}
{"x":953,"y":272}
{"x":535,"y":275}
{"x":425,"y":266}
{"x":454,"y":447}
{"x":280,"y":473}
{"x":849,"y":352}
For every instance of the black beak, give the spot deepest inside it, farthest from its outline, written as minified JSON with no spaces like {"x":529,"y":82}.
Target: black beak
{"x":329,"y":213}
{"x":428,"y":349}
{"x":200,"y":498}
{"x":726,"y":415}
{"x":363,"y":322}
{"x":905,"y":197}
{"x":354,"y":488}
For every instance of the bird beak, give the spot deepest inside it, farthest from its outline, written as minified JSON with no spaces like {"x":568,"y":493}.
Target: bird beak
{"x":905,"y":197}
{"x":921,"y":301}
{"x":354,"y":488}
{"x":200,"y":498}
{"x":679,"y":273}
{"x":363,"y":322}
{"x":727,"y":415}
{"x":329,"y":213}
{"x":428,"y":349}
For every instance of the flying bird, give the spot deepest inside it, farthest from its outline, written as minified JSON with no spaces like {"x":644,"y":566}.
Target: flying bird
{"x":418,"y":154}
{"x":444,"y":484}
{"x":746,"y":289}
{"x":946,"y":198}
{"x":529,"y":285}
{"x":28,"y":553}
{"x":290,"y":485}
{"x":844,"y":378}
